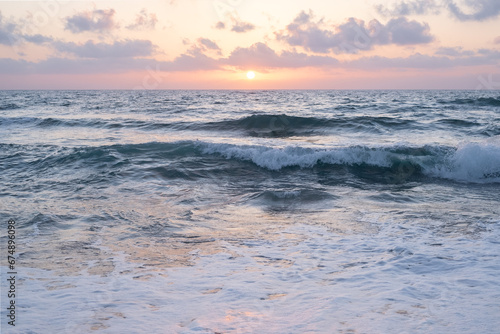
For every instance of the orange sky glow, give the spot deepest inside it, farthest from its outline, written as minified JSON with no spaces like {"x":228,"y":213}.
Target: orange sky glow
{"x":212,"y":44}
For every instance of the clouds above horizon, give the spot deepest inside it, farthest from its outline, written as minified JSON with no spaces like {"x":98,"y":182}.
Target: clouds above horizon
{"x":117,"y":49}
{"x":259,"y":56}
{"x":353,"y":35}
{"x":421,"y":61}
{"x":454,"y":52}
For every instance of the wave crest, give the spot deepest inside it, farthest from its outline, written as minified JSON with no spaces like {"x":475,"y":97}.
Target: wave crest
{"x":469,"y":162}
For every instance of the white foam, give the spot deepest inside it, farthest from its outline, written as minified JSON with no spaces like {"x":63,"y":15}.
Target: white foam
{"x":306,"y":280}
{"x":473,"y":162}
{"x":278,"y":158}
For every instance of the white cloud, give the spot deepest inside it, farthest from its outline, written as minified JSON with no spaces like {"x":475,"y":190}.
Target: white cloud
{"x":144,"y":21}
{"x":220,"y":25}
{"x":37,"y":39}
{"x":413,"y":7}
{"x":8,"y":34}
{"x":118,"y":49}
{"x":209,"y":44}
{"x":353,"y":35}
{"x":98,"y":20}
{"x":420,"y":61}
{"x":480,"y":10}
{"x":454,"y":52}
{"x":241,"y":27}
{"x":57,"y":65}
{"x":405,"y":32}
{"x":260,"y":55}
{"x":465,"y":10}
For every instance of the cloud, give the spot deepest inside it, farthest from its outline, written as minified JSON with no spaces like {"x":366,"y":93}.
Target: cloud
{"x":489,"y":52}
{"x":477,"y":10}
{"x":57,"y":65}
{"x":262,"y":56}
{"x":118,"y":49}
{"x":414,"y":7}
{"x":405,"y":32}
{"x":195,"y":61}
{"x":202,"y":46}
{"x":98,"y":20}
{"x":259,"y":55}
{"x":242,"y":27}
{"x":454,"y":52}
{"x":237,"y":25}
{"x":144,"y":21}
{"x":420,"y":61}
{"x":38,"y":39}
{"x":481,"y":10}
{"x":209,"y":44}
{"x":314,"y":36}
{"x":414,"y":61}
{"x":353,"y":35}
{"x":8,"y":35}
{"x":497,"y":40}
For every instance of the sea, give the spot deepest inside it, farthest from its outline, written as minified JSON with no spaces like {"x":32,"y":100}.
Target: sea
{"x":234,"y":211}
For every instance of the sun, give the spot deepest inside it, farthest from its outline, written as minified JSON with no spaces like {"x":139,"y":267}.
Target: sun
{"x":250,"y":75}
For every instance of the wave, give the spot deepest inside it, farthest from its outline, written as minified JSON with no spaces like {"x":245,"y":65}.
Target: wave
{"x":458,"y":123}
{"x":285,"y":196}
{"x":470,"y":162}
{"x":480,"y":101}
{"x":9,"y":106}
{"x":264,"y":126}
{"x":476,"y":162}
{"x":61,"y":122}
{"x":254,"y":126}
{"x":283,"y":125}
{"x":49,"y":122}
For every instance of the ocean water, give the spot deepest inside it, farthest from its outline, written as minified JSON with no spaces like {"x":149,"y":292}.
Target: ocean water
{"x":252,"y":211}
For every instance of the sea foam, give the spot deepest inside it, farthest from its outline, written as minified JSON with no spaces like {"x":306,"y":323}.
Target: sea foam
{"x":471,"y":162}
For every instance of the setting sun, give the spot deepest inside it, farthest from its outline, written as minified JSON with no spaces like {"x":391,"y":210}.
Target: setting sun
{"x":250,"y":75}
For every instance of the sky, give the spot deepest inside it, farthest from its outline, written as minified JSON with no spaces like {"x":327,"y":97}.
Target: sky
{"x":213,"y":44}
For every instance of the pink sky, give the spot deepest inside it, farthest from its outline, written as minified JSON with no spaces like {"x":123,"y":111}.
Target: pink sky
{"x":212,"y":44}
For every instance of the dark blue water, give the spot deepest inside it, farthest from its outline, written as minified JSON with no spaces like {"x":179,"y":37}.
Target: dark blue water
{"x":254,"y":211}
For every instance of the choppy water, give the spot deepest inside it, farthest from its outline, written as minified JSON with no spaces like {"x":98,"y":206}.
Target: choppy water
{"x":253,"y":211}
